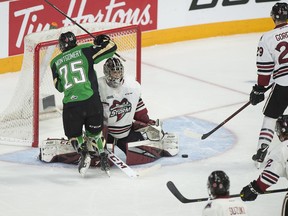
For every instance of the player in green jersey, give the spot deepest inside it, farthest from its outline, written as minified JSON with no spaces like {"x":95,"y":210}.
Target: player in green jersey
{"x":74,"y":75}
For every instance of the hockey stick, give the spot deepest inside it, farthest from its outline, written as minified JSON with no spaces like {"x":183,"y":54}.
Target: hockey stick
{"x":121,"y":165}
{"x":85,"y":30}
{"x":127,"y":169}
{"x":204,"y":136}
{"x":173,"y":189}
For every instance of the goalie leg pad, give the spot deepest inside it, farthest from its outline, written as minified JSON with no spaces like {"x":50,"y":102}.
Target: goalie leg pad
{"x":170,"y":145}
{"x":142,"y":155}
{"x":61,"y":150}
{"x":142,"y":152}
{"x":58,"y":150}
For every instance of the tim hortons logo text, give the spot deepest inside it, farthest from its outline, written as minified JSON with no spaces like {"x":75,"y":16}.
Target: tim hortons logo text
{"x":34,"y":18}
{"x":195,"y":5}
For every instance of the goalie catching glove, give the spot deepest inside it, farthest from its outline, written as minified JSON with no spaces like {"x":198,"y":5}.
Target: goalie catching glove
{"x":155,"y":136}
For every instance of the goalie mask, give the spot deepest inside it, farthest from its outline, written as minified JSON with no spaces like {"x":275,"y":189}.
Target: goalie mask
{"x":114,"y":72}
{"x":279,"y":11}
{"x":218,"y":184}
{"x":282,"y":127}
{"x":67,"y":41}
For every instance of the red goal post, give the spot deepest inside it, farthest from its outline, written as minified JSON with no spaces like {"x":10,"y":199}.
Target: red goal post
{"x":36,"y":98}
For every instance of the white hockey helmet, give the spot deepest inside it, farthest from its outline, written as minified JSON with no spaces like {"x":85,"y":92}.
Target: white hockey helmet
{"x":114,"y":72}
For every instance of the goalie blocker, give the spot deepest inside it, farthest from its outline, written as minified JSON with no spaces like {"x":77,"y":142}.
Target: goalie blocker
{"x":156,"y":145}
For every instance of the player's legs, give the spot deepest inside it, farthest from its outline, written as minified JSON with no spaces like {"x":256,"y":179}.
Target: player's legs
{"x":93,"y":129}
{"x":275,"y":106}
{"x":94,"y":124}
{"x":73,"y":123}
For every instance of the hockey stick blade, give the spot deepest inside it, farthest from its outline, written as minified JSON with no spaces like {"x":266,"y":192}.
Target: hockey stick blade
{"x":173,"y":189}
{"x":122,"y":165}
{"x":128,"y":170}
{"x":81,"y":27}
{"x":171,"y":186}
{"x":192,"y":134}
{"x":204,"y":136}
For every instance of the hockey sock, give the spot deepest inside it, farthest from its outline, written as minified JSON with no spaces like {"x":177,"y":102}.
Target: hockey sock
{"x":98,"y":140}
{"x":77,"y":142}
{"x":80,"y":141}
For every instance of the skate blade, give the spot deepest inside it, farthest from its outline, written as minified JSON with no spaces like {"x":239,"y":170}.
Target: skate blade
{"x":108,"y":172}
{"x":84,"y":170}
{"x":257,"y":164}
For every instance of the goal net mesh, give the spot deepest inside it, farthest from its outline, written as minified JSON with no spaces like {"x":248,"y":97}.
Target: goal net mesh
{"x":35,"y":97}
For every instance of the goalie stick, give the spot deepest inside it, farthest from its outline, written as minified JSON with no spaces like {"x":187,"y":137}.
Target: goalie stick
{"x":127,"y":169}
{"x":121,"y":165}
{"x":204,"y":136}
{"x":173,"y":189}
{"x":74,"y":22}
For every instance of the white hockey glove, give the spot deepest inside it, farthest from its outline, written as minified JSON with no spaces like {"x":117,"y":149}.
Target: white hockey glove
{"x":170,"y":144}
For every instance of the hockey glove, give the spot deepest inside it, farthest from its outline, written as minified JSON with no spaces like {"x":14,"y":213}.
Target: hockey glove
{"x":101,"y":40}
{"x":257,"y":94}
{"x":250,"y":192}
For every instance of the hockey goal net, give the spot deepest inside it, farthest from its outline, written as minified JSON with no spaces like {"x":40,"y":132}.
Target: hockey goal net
{"x":35,"y":97}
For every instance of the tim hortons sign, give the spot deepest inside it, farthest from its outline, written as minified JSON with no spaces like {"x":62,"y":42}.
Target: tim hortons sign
{"x":30,"y":16}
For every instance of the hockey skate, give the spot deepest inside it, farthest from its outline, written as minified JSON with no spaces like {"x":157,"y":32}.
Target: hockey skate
{"x":85,"y":160}
{"x":259,"y":157}
{"x":104,"y":163}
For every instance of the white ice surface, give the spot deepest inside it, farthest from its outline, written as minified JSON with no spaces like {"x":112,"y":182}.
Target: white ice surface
{"x":192,"y":85}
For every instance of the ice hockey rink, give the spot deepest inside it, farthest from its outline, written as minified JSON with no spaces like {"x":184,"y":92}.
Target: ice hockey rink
{"x":191,"y":86}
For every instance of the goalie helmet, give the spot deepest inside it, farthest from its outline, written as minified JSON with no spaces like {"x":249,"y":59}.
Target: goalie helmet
{"x":67,"y":41}
{"x":279,"y":11}
{"x":114,"y":72}
{"x":282,"y":127}
{"x":218,"y":184}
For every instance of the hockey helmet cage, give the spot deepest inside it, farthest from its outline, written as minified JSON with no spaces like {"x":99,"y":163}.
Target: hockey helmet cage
{"x":279,"y":11}
{"x":67,"y":41}
{"x":114,"y":72}
{"x":218,"y":184}
{"x":282,"y":127}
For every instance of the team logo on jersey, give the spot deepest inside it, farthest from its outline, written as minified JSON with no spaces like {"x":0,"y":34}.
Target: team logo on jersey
{"x":120,"y":108}
{"x":73,"y":97}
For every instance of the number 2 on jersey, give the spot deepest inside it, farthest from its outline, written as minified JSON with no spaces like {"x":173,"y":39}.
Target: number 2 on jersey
{"x":74,"y":72}
{"x":282,"y":57}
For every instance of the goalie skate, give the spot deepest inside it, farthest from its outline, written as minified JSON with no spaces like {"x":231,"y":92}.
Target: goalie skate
{"x":104,"y":163}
